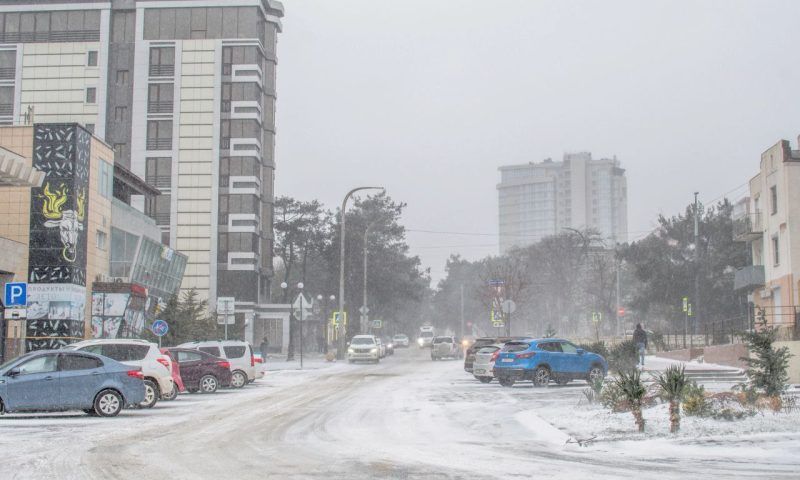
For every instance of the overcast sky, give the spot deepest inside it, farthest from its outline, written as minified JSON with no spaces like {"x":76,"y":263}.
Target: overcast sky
{"x":429,"y":97}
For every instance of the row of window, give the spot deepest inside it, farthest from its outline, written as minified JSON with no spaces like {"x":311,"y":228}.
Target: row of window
{"x":203,"y":23}
{"x":59,"y":26}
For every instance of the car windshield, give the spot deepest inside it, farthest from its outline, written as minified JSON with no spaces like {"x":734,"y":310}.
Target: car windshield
{"x":442,"y":340}
{"x":488,"y":349}
{"x":363,"y":341}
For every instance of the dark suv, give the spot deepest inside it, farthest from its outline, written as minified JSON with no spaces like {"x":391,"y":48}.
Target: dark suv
{"x":469,"y":356}
{"x":202,"y":371}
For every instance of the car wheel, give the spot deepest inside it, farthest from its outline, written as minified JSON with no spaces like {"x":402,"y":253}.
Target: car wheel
{"x":596,"y":373}
{"x":506,"y":382}
{"x":2,"y":407}
{"x":563,"y":381}
{"x":541,"y":376}
{"x":90,"y":412}
{"x":239,"y":379}
{"x":485,"y":379}
{"x":150,"y":395}
{"x":172,"y":395}
{"x":208,"y":384}
{"x":108,"y":403}
{"x":192,"y":390}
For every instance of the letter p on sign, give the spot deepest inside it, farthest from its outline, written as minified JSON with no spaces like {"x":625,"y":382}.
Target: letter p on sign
{"x":16,"y":294}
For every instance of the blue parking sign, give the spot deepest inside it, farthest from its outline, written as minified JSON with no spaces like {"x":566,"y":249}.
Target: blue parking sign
{"x":16,"y":294}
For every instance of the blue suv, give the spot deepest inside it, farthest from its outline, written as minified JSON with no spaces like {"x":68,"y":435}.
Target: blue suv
{"x":546,"y":359}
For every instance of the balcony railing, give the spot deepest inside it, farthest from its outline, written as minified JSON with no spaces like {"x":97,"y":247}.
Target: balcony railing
{"x":159,"y":181}
{"x":162,"y":70}
{"x":748,"y":278}
{"x":7,"y":73}
{"x":160,"y":218}
{"x":748,"y":227}
{"x":159,"y":107}
{"x":159,"y":144}
{"x":6,"y":110}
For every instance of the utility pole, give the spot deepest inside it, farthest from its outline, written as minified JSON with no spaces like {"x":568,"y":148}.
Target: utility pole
{"x":696,"y":266}
{"x":462,"y":311}
{"x":619,"y":319}
{"x":365,"y":316}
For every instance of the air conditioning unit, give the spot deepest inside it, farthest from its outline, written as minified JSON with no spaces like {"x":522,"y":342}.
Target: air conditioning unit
{"x":766,"y":293}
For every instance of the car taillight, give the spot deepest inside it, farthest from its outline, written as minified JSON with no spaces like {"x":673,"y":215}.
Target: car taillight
{"x":259,"y":360}
{"x":252,"y":360}
{"x":224,"y":364}
{"x":163,"y":361}
{"x":526,"y":355}
{"x":495,"y":355}
{"x":136,"y":374}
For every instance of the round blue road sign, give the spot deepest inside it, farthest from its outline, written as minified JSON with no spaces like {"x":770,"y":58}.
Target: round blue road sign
{"x":159,"y":328}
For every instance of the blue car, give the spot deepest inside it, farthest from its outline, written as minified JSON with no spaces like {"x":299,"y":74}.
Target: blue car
{"x":59,"y":380}
{"x":547,"y":359}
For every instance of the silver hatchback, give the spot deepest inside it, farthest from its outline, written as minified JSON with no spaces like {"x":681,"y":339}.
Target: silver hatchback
{"x":484,"y":363}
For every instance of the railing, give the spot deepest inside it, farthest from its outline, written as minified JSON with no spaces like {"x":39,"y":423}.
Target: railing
{"x":159,"y":181}
{"x":160,"y":218}
{"x":7,"y":73}
{"x":159,"y":144}
{"x":50,"y":37}
{"x":159,"y":107}
{"x":6,"y":110}
{"x":162,"y":70}
{"x":747,"y":227}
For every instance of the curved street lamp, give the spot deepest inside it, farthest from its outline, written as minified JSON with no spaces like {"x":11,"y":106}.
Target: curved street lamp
{"x":340,"y":353}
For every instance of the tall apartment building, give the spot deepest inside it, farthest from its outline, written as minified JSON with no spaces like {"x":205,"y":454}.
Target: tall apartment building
{"x":769,"y":221}
{"x":184,"y":92}
{"x":541,"y":199}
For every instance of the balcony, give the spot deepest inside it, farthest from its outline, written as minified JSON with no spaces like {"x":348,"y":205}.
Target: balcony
{"x":159,"y":181}
{"x":162,"y":70}
{"x":7,"y":73}
{"x":748,"y":227}
{"x":159,"y":144}
{"x":748,"y":278}
{"x":159,"y":107}
{"x":6,"y":110}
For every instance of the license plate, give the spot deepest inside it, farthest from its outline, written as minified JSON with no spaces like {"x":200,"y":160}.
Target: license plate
{"x":480,"y":371}
{"x":508,"y":360}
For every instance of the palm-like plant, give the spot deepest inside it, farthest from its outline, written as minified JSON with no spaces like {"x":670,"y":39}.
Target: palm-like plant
{"x":633,"y":391}
{"x":672,"y":383}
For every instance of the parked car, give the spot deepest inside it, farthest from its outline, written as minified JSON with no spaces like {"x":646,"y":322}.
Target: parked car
{"x":176,"y":377}
{"x":389,"y":346}
{"x":156,"y":367}
{"x":201,"y":371}
{"x":544,"y":360}
{"x":363,"y":347}
{"x":400,"y":341}
{"x":484,"y":362}
{"x":478,"y":343}
{"x":445,"y":347}
{"x":59,"y":380}
{"x":238,"y":353}
{"x":425,"y":339}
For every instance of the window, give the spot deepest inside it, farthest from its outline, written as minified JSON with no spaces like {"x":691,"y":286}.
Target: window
{"x":120,"y":149}
{"x":120,"y":113}
{"x":122,"y":77}
{"x":91,"y":58}
{"x":91,"y":95}
{"x":106,"y":179}
{"x":550,"y":347}
{"x":159,"y":98}
{"x":162,"y":61}
{"x":124,"y":352}
{"x":72,"y":362}
{"x":234,"y":352}
{"x":776,"y":252}
{"x":90,"y":128}
{"x":158,"y":172}
{"x":158,"y":208}
{"x":189,"y":357}
{"x":210,"y":350}
{"x":567,"y":347}
{"x":123,"y":252}
{"x":101,"y":240}
{"x":43,"y":364}
{"x":515,"y":346}
{"x":773,"y":193}
{"x":159,"y":135}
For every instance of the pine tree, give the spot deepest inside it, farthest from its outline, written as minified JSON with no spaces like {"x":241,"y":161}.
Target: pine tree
{"x":767,"y":366}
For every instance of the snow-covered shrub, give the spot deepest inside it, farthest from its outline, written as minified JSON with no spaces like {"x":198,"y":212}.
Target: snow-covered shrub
{"x":623,"y":356}
{"x":596,"y":347}
{"x":695,"y":403}
{"x":594,"y":391}
{"x":767,"y":367}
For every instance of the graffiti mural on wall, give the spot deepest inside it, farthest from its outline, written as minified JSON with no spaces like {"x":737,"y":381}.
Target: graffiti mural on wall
{"x":58,"y":235}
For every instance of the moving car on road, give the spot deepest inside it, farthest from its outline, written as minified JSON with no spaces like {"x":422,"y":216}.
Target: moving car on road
{"x":363,"y":348}
{"x":156,"y":367}
{"x":202,"y":371}
{"x":59,"y":380}
{"x":381,"y":347}
{"x":400,"y":340}
{"x":445,"y":347}
{"x":238,"y":353}
{"x":546,"y":359}
{"x":483,"y":367}
{"x":425,"y":339}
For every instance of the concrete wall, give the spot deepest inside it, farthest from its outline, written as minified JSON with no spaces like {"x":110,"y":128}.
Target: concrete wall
{"x":682,"y":355}
{"x":794,"y":362}
{"x":726,"y":354}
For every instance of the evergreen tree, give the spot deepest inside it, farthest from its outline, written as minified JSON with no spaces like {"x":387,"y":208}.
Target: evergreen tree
{"x":767,"y":366}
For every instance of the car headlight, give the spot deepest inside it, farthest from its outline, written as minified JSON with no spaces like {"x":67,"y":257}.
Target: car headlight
{"x":420,"y":341}
{"x":374,"y":350}
{"x":389,"y":346}
{"x":350,"y":350}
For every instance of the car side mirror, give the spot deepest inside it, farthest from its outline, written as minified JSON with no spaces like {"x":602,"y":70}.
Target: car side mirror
{"x":13,"y":372}
{"x":580,"y":351}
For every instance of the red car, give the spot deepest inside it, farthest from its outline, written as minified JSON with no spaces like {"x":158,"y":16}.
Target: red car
{"x":176,"y":377}
{"x":200,"y":371}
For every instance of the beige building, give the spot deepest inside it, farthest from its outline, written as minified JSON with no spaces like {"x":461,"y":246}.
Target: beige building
{"x":769,"y":220}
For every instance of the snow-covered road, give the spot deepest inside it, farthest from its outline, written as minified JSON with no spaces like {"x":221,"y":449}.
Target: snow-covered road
{"x":407,"y":418}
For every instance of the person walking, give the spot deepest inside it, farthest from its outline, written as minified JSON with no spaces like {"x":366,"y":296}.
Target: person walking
{"x":264,"y":347}
{"x":640,"y":339}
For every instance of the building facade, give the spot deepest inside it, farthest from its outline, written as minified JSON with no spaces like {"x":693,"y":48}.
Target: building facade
{"x":541,"y":199}
{"x":184,"y":92}
{"x":769,"y":221}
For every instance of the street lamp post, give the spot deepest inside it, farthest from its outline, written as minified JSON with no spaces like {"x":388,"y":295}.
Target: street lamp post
{"x":365,"y":316}
{"x":290,"y":347}
{"x":302,"y":315}
{"x":325,"y":315}
{"x":342,"y":233}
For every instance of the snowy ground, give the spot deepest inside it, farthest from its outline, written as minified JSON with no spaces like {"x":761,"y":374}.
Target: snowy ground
{"x":407,"y":418}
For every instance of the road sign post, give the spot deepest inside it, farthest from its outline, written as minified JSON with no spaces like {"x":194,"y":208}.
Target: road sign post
{"x":159,"y":329}
{"x":16,"y":295}
{"x":225,"y":307}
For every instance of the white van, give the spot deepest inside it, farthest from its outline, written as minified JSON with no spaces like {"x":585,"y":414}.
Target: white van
{"x":238,"y":353}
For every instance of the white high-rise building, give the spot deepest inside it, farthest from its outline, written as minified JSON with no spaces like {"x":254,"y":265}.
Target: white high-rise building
{"x":537,"y":200}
